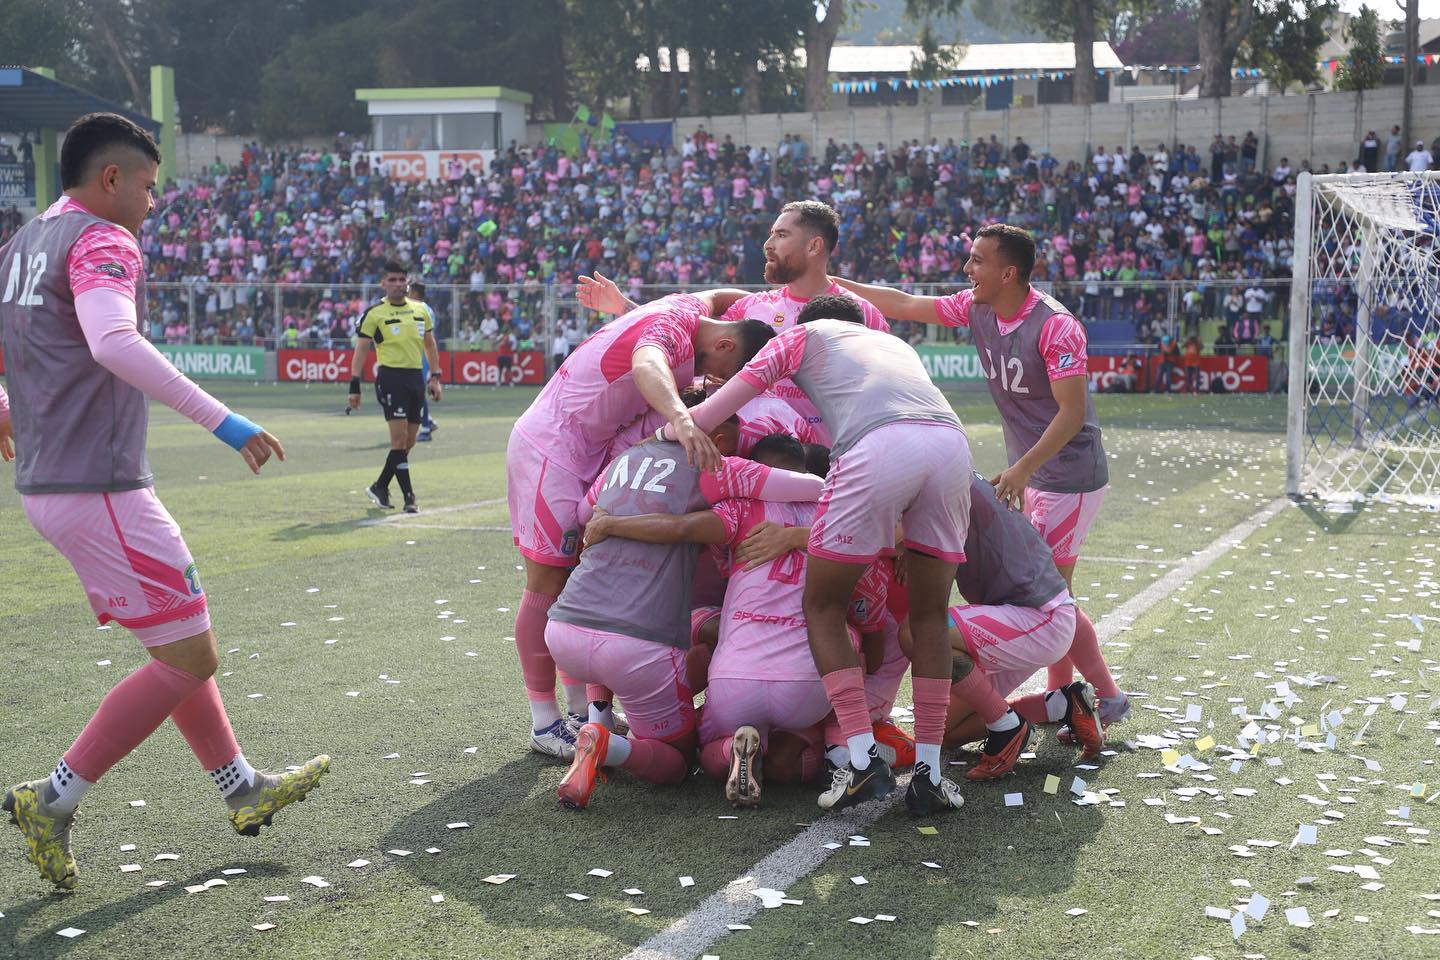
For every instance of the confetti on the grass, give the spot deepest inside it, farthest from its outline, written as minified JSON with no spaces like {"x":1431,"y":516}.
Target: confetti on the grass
{"x":886,"y":917}
{"x":637,"y":911}
{"x":69,"y":933}
{"x":460,"y":825}
{"x":1258,"y":905}
{"x":1052,"y":784}
{"x":233,"y":871}
{"x":931,"y":864}
{"x":126,"y":847}
{"x":398,"y":853}
{"x":357,"y":864}
{"x":262,"y":927}
{"x":498,"y":878}
{"x":276,"y":899}
{"x":859,"y":881}
{"x":137,"y":803}
{"x":732,"y":927}
{"x":598,"y":872}
{"x":1014,"y":800}
{"x":1297,"y":916}
{"x":928,"y":831}
{"x":437,"y":898}
{"x":861,"y":921}
{"x":158,"y":883}
{"x":1076,"y":912}
{"x":634,"y":892}
{"x":577,"y":897}
{"x":687,"y":881}
{"x":129,"y":868}
{"x":318,"y":883}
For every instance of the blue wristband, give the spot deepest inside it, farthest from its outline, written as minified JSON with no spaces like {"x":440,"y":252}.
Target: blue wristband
{"x":236,"y":430}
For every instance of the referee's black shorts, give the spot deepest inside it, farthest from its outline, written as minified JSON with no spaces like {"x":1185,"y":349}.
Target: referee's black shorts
{"x":400,"y":392}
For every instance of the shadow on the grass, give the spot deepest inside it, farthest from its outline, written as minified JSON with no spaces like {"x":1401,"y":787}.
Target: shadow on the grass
{"x":304,"y":531}
{"x":48,"y":904}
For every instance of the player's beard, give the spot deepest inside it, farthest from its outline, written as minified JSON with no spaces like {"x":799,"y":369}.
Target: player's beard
{"x":782,"y":271}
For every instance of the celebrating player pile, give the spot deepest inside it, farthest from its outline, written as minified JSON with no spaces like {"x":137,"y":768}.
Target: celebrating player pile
{"x":898,"y":484}
{"x":72,"y":310}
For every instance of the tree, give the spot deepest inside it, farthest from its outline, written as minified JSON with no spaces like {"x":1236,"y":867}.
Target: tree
{"x":1168,"y":34}
{"x":1364,"y":68}
{"x":937,"y":56}
{"x":1285,"y":40}
{"x":37,"y":33}
{"x":1078,"y":21}
{"x":820,"y":32}
{"x":1224,"y":25}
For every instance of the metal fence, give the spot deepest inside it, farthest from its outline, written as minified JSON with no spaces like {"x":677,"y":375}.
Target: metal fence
{"x":1121,"y":315}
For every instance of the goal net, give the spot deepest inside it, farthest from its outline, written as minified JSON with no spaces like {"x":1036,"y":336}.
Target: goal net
{"x":1364,"y":421}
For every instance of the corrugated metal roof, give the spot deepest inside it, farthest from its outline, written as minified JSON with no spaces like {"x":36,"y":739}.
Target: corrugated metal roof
{"x":869,"y":60}
{"x":31,"y":101}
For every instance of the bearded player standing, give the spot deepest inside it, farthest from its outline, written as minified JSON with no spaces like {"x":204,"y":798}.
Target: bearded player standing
{"x":80,"y":372}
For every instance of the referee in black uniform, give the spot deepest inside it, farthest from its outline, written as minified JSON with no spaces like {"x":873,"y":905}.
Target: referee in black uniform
{"x":401,"y":331}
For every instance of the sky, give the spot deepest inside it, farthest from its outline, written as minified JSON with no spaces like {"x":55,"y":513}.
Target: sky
{"x":1389,"y":9}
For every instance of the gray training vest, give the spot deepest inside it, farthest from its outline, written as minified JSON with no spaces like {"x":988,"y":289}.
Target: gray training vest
{"x":636,"y":589}
{"x":1020,"y":385}
{"x":1007,"y":562}
{"x":78,"y":427}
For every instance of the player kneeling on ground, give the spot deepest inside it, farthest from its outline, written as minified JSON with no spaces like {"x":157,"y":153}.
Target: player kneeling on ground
{"x":765,"y":696}
{"x":1019,"y":619}
{"x":623,"y":619}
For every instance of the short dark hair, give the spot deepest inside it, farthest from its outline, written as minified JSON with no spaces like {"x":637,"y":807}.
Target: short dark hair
{"x":94,"y":133}
{"x":818,"y":218}
{"x":1016,"y":246}
{"x":393,"y":266}
{"x":817,"y":459}
{"x":782,"y":447}
{"x":692,"y":396}
{"x":830,"y":306}
{"x":753,"y":335}
{"x":417,"y":288}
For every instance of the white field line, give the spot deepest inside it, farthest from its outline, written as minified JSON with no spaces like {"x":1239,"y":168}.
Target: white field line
{"x":693,"y":933}
{"x":400,"y":518}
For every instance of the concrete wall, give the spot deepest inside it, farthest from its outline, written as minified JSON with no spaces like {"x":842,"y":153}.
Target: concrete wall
{"x":1321,"y":127}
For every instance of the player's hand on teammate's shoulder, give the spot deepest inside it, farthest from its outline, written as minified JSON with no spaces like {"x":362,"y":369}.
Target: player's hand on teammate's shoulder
{"x":258,"y":450}
{"x":599,"y":293}
{"x":699,"y":448}
{"x":765,"y":542}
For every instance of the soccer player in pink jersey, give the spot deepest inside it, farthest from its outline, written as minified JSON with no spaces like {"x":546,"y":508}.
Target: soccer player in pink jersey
{"x":622,"y":620}
{"x":72,"y":308}
{"x":900,"y":459}
{"x":632,"y":365}
{"x":797,"y":259}
{"x":1034,"y":354}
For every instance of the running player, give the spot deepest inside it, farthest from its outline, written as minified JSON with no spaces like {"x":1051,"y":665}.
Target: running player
{"x":633,"y":364}
{"x":72,"y":309}
{"x":623,"y":619}
{"x":427,"y":424}
{"x":900,"y":456}
{"x":762,"y":679}
{"x":797,"y":259}
{"x":1034,"y":355}
{"x":403,"y":335}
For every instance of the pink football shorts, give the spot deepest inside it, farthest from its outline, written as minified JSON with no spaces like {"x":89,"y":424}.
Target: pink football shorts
{"x":130,"y":558}
{"x":544,"y":500}
{"x":1063,"y":519}
{"x":1011,"y":643}
{"x":648,"y":678}
{"x":910,"y":472}
{"x":764,"y":704}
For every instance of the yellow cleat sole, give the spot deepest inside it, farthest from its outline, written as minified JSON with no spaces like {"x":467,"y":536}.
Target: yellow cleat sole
{"x":292,"y":788}
{"x":42,"y":845}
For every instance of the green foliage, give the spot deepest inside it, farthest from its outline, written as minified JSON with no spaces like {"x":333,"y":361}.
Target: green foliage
{"x":1285,"y":40}
{"x":1365,"y":67}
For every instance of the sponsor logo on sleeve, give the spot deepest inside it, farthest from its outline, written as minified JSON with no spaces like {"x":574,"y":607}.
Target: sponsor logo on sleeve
{"x":113,"y":269}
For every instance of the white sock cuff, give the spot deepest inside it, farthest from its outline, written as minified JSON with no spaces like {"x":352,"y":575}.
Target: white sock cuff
{"x":233,"y":776}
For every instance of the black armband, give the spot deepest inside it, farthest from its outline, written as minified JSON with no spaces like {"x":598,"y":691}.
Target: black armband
{"x":354,"y":384}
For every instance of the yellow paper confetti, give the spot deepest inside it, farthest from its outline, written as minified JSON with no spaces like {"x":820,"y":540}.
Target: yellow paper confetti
{"x":1052,"y":783}
{"x":1204,"y":743}
{"x":928,"y":831}
{"x":1169,"y":757}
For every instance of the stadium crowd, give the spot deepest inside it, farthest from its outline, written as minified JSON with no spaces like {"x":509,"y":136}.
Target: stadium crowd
{"x":1109,"y":229}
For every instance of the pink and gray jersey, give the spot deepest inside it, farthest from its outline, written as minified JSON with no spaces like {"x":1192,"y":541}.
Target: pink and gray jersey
{"x":593,"y":395}
{"x":643,"y":590}
{"x":1007,"y":562}
{"x":858,"y":379}
{"x":781,"y":308}
{"x":767,"y":414}
{"x":762,"y":625}
{"x":1022,"y":355}
{"x":79,"y":427}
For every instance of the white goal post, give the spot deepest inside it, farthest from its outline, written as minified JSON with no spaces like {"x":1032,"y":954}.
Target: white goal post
{"x":1364,"y":418}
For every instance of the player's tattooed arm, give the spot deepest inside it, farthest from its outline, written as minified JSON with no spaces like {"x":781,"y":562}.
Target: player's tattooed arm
{"x":895,"y":304}
{"x":699,"y":527}
{"x":601,"y":294}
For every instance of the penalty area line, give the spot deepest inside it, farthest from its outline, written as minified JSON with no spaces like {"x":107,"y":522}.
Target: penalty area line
{"x":693,"y":933}
{"x":400,"y":518}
